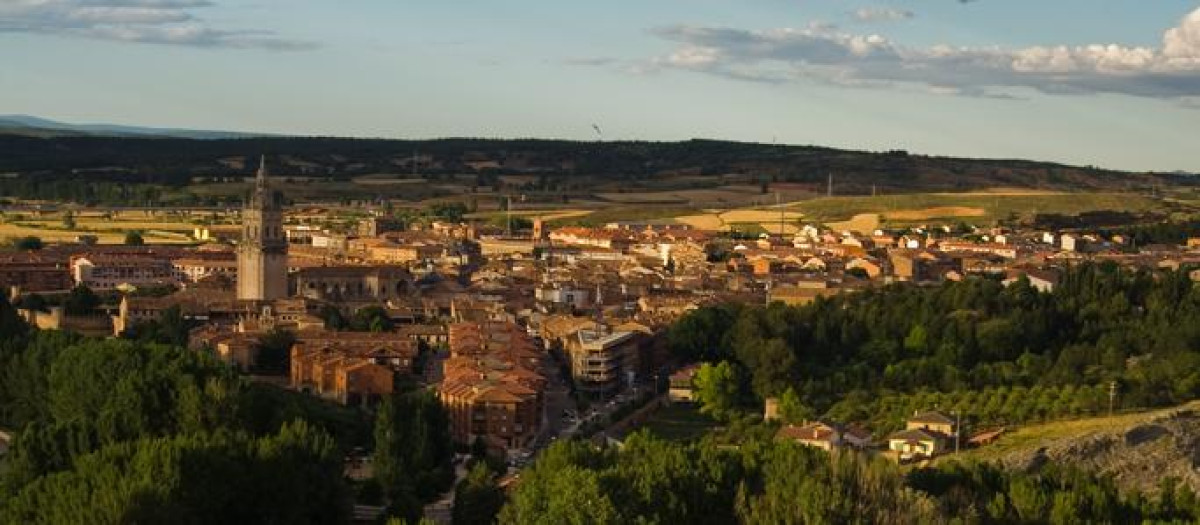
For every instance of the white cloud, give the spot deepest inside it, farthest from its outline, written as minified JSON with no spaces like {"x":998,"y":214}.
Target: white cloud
{"x":881,"y":14}
{"x":146,"y":21}
{"x":827,"y":54}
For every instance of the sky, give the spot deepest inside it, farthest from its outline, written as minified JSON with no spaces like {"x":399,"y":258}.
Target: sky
{"x":1111,"y":83}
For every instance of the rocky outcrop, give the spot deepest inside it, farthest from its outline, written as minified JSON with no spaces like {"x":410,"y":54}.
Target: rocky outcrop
{"x":1138,"y":455}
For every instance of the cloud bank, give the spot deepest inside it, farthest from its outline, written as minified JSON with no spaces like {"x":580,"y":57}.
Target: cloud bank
{"x":170,"y":22}
{"x":827,"y":54}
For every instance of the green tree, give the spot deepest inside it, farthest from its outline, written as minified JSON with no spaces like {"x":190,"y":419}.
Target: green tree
{"x":134,"y":238}
{"x":792,"y":409}
{"x":28,"y":243}
{"x":718,"y":390}
{"x":81,"y":301}
{"x":477,"y":500}
{"x":371,"y":319}
{"x":917,"y":339}
{"x":292,"y":477}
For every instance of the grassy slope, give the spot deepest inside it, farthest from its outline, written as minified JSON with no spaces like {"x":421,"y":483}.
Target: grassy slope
{"x":1032,"y":437}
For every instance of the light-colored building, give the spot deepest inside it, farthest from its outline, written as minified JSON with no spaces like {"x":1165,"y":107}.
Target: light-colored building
{"x":107,"y":272}
{"x":600,"y":358}
{"x":926,"y":434}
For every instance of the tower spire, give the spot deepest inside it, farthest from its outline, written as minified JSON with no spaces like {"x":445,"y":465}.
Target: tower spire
{"x":261,"y":179}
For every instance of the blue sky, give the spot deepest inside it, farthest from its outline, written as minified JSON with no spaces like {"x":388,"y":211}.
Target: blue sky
{"x":1102,"y":82}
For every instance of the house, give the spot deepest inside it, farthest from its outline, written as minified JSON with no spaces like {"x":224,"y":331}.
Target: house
{"x":915,"y":444}
{"x":933,"y":421}
{"x":926,"y":434}
{"x":826,"y":435}
{"x":1070,"y":243}
{"x":682,"y":388}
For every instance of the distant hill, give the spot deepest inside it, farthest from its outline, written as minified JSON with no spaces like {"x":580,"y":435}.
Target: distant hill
{"x":552,"y":166}
{"x":44,"y":128}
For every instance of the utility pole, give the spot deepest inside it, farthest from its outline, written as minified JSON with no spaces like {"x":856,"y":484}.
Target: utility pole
{"x":829,"y":190}
{"x":1112,"y":397}
{"x":508,"y":216}
{"x":777,"y":205}
{"x":957,"y":429}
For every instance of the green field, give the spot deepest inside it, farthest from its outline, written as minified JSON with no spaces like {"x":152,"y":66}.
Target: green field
{"x":985,"y":207}
{"x":679,"y":422}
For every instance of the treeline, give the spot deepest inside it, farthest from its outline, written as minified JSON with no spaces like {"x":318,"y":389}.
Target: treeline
{"x":1101,"y":324}
{"x":1174,"y":233}
{"x":133,"y":431}
{"x":82,"y":190}
{"x":762,"y":481}
{"x":174,"y":162}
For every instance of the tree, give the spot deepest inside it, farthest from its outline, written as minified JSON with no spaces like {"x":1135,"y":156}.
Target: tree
{"x":294,"y":476}
{"x":334,"y":320}
{"x":34,"y":302}
{"x":718,"y":390}
{"x":413,"y":450}
{"x":792,"y":409}
{"x":371,"y":319}
{"x":917,"y":339}
{"x":477,"y":500}
{"x":134,"y":238}
{"x":274,"y":351}
{"x":81,"y":301}
{"x":28,"y":243}
{"x":68,"y":220}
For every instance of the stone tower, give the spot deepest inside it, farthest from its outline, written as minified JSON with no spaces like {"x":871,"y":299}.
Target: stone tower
{"x":262,"y":254}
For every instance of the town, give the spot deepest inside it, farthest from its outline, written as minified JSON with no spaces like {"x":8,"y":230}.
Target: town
{"x":599,"y":263}
{"x":526,"y":334}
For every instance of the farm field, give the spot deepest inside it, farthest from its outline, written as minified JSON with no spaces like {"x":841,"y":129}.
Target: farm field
{"x":156,"y":227}
{"x":976,"y":206}
{"x":738,"y":195}
{"x":767,"y":219}
{"x":545,"y":215}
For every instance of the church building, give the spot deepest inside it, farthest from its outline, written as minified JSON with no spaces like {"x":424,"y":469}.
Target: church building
{"x":262,"y":254}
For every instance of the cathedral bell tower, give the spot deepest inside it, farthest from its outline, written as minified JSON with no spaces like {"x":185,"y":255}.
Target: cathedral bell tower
{"x":262,"y":254}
